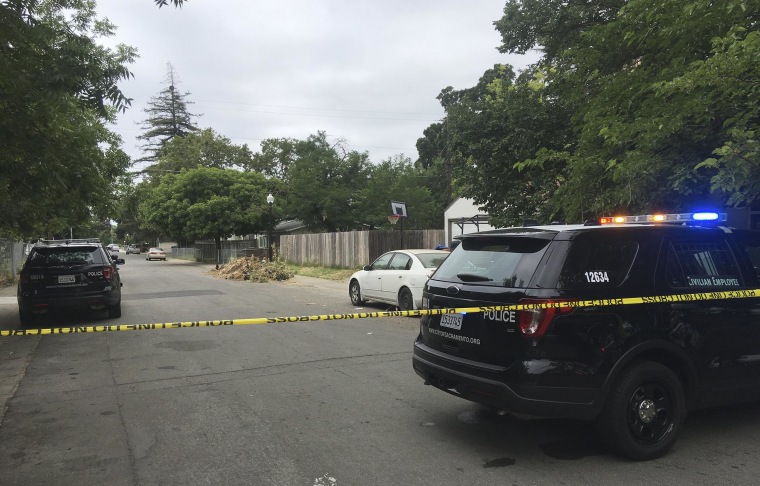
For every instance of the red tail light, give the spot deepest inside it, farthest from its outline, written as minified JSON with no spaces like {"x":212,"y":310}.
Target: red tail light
{"x":535,"y":322}
{"x":108,"y":273}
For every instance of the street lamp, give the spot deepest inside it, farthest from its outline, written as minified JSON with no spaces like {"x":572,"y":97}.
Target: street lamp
{"x":270,"y":200}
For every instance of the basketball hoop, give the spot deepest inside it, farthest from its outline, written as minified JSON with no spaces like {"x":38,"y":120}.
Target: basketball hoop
{"x":393,"y":218}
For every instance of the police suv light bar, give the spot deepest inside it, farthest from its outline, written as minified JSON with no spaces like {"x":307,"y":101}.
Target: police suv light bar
{"x":667,"y":218}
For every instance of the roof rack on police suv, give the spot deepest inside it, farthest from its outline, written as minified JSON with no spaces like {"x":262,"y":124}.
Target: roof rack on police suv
{"x":68,"y":241}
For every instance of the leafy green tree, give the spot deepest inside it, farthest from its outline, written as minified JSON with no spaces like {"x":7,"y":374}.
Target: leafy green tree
{"x":168,"y":118}
{"x":488,"y":133}
{"x":129,"y":222}
{"x":436,"y":161}
{"x":730,"y":81}
{"x":208,"y":203}
{"x":551,"y":25}
{"x":275,"y":158}
{"x":662,"y":97}
{"x":397,"y":179}
{"x":203,"y":148}
{"x":324,"y":184}
{"x":58,"y":87}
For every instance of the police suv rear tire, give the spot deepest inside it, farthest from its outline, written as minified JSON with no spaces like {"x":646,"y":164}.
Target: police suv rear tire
{"x":644,"y":411}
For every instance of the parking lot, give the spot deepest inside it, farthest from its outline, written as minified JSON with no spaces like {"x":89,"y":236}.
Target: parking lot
{"x":327,"y":402}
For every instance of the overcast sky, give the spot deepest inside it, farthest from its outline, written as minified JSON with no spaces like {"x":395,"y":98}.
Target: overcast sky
{"x":366,"y":71}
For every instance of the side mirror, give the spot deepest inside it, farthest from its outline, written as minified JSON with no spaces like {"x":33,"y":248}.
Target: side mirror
{"x":119,"y":261}
{"x":367,"y":268}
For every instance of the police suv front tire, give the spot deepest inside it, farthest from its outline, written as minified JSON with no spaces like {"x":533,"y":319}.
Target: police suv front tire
{"x":644,"y":411}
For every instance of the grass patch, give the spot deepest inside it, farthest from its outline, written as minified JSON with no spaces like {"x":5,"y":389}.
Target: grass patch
{"x":327,"y":273}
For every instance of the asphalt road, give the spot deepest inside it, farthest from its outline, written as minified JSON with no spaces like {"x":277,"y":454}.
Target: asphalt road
{"x":320,"y":403}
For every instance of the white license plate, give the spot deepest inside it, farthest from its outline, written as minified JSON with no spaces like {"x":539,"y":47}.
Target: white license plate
{"x":453,"y":321}
{"x":66,"y":279}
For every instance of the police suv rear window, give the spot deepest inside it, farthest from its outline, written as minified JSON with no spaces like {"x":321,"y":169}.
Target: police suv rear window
{"x":498,"y":261}
{"x":61,"y":256}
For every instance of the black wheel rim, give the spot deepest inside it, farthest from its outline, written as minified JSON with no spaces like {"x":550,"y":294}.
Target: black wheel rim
{"x":650,"y":413}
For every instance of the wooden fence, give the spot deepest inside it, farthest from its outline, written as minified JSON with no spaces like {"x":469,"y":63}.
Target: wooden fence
{"x":352,"y":249}
{"x":205,"y":251}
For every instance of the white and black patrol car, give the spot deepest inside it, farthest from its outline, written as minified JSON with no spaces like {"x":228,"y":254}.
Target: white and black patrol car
{"x":633,"y":369}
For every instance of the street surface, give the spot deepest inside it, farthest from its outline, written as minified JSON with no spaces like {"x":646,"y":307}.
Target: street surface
{"x":320,"y":403}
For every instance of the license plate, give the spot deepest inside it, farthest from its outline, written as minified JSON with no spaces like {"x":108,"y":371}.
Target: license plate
{"x":453,"y":321}
{"x":66,"y":279}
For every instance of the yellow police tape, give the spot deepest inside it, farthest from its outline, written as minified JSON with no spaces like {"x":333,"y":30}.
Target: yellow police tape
{"x":705,"y":296}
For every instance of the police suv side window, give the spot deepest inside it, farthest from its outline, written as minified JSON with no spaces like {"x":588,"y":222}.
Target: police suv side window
{"x":748,"y":243}
{"x":597,"y":263}
{"x":701,"y":264}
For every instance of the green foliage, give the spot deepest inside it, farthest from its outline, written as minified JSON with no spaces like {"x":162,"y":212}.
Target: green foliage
{"x":397,"y":179}
{"x":129,"y":226}
{"x":203,"y":148}
{"x":324,"y":183}
{"x":275,"y":158}
{"x":333,"y":189}
{"x":652,"y":115}
{"x":636,"y":106}
{"x":168,"y":118}
{"x":207,"y":203}
{"x":59,"y":165}
{"x":737,"y":170}
{"x":493,"y":135}
{"x":551,"y":25}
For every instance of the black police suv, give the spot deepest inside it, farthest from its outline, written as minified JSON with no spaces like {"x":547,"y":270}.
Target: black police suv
{"x":633,"y":369}
{"x":69,"y":274}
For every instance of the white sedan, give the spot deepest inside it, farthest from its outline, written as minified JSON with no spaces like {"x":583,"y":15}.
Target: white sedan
{"x":396,"y":277}
{"x":155,"y":254}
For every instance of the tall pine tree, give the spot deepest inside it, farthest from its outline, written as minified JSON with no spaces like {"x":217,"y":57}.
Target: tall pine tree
{"x":168,"y":117}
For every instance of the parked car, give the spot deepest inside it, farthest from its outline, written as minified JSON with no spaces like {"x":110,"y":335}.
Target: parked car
{"x":155,"y":254}
{"x":113,"y":248}
{"x":68,"y":274}
{"x":396,"y":277}
{"x":133,"y":249}
{"x":690,"y":342}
